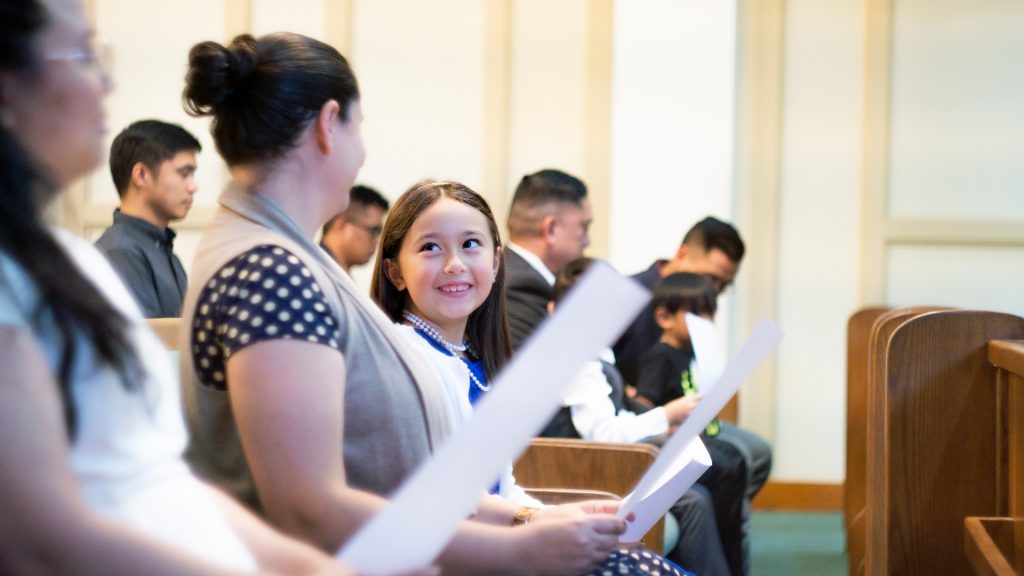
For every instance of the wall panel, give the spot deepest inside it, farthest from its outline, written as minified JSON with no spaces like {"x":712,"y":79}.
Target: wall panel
{"x":957,"y":110}
{"x":819,"y":233}
{"x":673,"y":95}
{"x":982,"y":277}
{"x":421,"y":77}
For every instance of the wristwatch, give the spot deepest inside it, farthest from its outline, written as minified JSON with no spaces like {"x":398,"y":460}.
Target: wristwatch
{"x":523,"y":515}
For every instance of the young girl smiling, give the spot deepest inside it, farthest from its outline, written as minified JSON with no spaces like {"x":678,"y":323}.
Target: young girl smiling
{"x":438,"y":274}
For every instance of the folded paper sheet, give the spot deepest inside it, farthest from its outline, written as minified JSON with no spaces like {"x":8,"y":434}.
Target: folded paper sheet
{"x":659,"y":482}
{"x":707,"y":351}
{"x":426,"y":511}
{"x":684,"y":471}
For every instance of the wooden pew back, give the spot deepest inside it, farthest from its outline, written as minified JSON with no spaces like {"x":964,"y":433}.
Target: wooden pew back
{"x":580,"y":464}
{"x":931,"y":450}
{"x":1008,"y":358}
{"x":995,"y":545}
{"x":858,"y":334}
{"x":865,"y":372}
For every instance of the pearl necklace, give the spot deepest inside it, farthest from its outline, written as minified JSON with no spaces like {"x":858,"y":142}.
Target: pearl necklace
{"x":423,"y":326}
{"x":433,"y":333}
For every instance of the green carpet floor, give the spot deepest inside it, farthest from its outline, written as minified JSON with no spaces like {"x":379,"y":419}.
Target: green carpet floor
{"x":788,"y":543}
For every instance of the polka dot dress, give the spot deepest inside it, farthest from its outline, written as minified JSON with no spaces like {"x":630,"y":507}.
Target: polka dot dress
{"x":628,"y":561}
{"x":264,"y":294}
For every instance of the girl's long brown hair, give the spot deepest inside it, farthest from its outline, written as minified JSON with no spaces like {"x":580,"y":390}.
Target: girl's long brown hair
{"x":487,"y":326}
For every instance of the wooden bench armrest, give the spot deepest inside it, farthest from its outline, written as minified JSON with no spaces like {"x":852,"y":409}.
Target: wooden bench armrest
{"x":568,"y":495}
{"x":990,"y":544}
{"x":606,"y":467}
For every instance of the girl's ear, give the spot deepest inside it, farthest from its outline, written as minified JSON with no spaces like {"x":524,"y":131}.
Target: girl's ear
{"x":394,"y":273}
{"x":499,"y":255}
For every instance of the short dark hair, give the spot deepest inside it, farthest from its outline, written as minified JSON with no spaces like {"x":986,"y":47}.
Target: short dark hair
{"x":568,"y":276}
{"x":148,"y":141}
{"x":364,"y":197}
{"x":263,"y":92}
{"x":540,"y":190}
{"x":712,"y":233}
{"x":693,"y":293}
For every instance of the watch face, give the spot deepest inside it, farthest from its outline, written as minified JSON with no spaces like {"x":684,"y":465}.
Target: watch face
{"x":522,"y":515}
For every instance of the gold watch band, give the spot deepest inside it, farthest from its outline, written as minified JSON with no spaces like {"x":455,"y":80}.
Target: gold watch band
{"x":523,"y":515}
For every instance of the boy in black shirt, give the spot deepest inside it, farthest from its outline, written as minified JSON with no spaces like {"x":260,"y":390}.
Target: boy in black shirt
{"x":667,"y":375}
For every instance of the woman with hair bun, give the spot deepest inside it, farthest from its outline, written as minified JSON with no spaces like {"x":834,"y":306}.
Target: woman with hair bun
{"x":302,"y":399}
{"x":93,"y":478}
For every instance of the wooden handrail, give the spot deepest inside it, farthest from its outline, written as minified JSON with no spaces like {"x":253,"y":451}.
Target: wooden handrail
{"x":1008,"y":355}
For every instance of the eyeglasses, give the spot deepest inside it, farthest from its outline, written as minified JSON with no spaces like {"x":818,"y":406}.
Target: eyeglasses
{"x":373,"y":230}
{"x":99,"y":54}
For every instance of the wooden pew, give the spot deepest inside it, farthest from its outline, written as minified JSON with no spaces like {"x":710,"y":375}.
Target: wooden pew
{"x":858,"y":334}
{"x":1007,"y":356}
{"x":166,"y":330}
{"x":995,"y":545}
{"x":931,"y":454}
{"x":868,"y":334}
{"x":580,"y":464}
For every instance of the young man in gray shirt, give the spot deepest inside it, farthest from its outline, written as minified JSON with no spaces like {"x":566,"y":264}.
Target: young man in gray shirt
{"x":153,"y":165}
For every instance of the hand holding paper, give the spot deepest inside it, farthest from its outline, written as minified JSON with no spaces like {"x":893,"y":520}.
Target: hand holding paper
{"x":684,"y":455}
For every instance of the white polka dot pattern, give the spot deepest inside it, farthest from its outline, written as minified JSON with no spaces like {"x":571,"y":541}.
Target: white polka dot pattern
{"x":264,"y":294}
{"x":636,"y":562}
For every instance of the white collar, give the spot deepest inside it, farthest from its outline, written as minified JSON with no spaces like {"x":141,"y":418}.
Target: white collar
{"x":534,"y":261}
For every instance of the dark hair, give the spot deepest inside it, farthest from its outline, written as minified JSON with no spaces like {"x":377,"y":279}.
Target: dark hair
{"x":148,"y":141}
{"x":487,"y":327}
{"x":263,"y":92}
{"x":685,"y":291}
{"x":539,"y":194}
{"x":711,"y":233}
{"x":568,"y":276}
{"x":364,"y":197}
{"x":76,"y":306}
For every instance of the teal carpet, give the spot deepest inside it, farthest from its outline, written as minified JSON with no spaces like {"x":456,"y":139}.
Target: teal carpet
{"x":790,"y":543}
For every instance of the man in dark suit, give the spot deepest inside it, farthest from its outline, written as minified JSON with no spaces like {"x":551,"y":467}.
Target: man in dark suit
{"x":548,"y":226}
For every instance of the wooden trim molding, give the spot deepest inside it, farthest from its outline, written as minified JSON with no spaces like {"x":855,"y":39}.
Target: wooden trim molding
{"x":877,"y":94}
{"x":338,"y":26}
{"x":798,"y":496}
{"x":758,"y":176}
{"x":237,"y":18}
{"x":598,"y":123}
{"x":496,"y":106}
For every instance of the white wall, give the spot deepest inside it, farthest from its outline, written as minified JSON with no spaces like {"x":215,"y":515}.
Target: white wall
{"x":957,"y":109}
{"x":955,"y":222}
{"x":421,"y":77}
{"x":547,"y":88}
{"x":819,"y":243}
{"x":672,"y":133}
{"x":673,"y":93}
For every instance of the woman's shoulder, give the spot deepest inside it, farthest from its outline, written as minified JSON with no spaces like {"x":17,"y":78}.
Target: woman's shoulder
{"x":272,"y":288}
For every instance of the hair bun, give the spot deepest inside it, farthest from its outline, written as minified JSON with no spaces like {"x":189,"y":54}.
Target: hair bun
{"x":216,"y":73}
